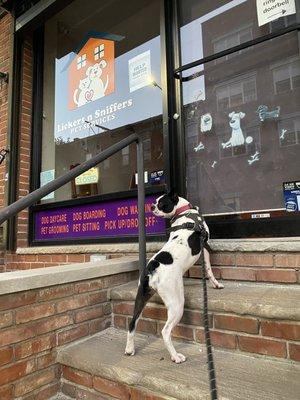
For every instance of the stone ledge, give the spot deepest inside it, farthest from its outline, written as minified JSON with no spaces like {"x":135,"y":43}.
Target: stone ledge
{"x":288,"y":244}
{"x":121,"y":248}
{"x":12,"y":282}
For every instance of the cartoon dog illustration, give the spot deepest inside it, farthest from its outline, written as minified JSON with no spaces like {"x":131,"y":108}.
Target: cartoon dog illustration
{"x":96,"y":84}
{"x":237,"y":136}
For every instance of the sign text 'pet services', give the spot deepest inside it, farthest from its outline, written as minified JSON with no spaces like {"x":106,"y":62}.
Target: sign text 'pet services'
{"x":270,"y":10}
{"x":94,"y":90}
{"x":98,"y":220}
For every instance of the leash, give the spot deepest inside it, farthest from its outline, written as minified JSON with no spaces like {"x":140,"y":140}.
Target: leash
{"x":210,"y":359}
{"x":197,"y":226}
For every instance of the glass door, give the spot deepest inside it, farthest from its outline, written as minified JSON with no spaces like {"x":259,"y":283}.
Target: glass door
{"x":241,"y":117}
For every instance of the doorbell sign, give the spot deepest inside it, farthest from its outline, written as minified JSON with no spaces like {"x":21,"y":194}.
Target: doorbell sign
{"x":270,"y":10}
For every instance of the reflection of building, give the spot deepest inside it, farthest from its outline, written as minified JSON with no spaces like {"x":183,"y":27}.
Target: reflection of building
{"x":266,"y":74}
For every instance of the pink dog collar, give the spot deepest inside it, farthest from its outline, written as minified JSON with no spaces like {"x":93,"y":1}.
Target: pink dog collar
{"x":182,"y":209}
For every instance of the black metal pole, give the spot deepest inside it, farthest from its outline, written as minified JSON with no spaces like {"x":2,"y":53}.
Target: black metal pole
{"x":38,"y":194}
{"x":141,"y":205}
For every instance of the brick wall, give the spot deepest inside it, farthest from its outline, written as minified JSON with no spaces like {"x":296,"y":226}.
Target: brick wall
{"x":274,"y":338}
{"x":5,"y":64}
{"x":82,"y":385}
{"x":34,"y":323}
{"x":260,"y":267}
{"x":14,"y":262}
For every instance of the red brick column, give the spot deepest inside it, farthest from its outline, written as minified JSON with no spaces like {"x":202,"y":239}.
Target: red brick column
{"x":25,"y":139}
{"x":5,"y":64}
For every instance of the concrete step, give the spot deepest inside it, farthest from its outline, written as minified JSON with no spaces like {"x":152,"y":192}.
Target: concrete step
{"x":249,"y":317}
{"x":98,"y":366}
{"x":60,"y":396}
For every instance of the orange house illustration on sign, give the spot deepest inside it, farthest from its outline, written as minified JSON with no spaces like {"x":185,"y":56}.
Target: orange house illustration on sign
{"x":91,"y":73}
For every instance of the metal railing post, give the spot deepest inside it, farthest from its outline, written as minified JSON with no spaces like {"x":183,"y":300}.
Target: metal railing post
{"x":141,"y":205}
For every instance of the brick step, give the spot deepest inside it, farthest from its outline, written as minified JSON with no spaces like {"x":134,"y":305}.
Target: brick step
{"x":97,"y":367}
{"x":247,"y":317}
{"x":272,"y":267}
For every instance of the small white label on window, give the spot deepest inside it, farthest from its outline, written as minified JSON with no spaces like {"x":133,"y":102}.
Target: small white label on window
{"x":264,"y":215}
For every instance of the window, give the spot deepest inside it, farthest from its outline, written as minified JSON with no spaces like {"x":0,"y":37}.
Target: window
{"x":147,"y":149}
{"x":97,"y":90}
{"x":241,"y":159}
{"x":230,"y":40}
{"x":125,"y":156}
{"x":99,"y":52}
{"x":286,"y":77}
{"x":289,"y":131}
{"x":231,"y":95}
{"x":283,"y":22}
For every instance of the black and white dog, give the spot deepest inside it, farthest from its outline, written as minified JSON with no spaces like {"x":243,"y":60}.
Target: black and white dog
{"x":164,"y":272}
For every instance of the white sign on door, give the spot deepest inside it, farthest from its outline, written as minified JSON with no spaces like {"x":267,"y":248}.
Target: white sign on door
{"x":139,"y":71}
{"x":269,"y":10}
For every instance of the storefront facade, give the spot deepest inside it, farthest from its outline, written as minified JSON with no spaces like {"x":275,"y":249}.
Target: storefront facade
{"x":213,"y":86}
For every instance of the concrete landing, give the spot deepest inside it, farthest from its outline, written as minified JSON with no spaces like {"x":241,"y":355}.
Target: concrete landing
{"x":262,"y":300}
{"x":239,"y":376}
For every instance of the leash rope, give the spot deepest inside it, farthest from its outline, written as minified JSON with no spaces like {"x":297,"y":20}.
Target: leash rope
{"x":197,"y":226}
{"x":210,"y":359}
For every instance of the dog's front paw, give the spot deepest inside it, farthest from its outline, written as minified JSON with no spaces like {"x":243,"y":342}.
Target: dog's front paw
{"x":219,"y":286}
{"x":178,"y":358}
{"x":129,"y":352}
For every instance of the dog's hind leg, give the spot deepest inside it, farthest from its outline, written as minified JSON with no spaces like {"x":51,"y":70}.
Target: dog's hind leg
{"x":173,"y":298}
{"x":214,"y":282}
{"x":143,"y":295}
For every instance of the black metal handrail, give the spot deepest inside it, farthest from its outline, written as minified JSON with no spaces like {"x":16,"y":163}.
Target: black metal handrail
{"x":223,"y":53}
{"x":50,"y":187}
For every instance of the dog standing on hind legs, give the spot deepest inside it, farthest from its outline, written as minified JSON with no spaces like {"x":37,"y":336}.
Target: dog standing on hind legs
{"x":164,"y":272}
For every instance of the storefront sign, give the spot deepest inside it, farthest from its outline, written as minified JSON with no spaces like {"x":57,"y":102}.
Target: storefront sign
{"x":270,"y":10}
{"x":93,"y":89}
{"x":106,"y":219}
{"x":291,"y":192}
{"x":90,"y":176}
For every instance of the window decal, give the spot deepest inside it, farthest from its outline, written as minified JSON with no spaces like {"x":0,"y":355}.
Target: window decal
{"x":237,"y":137}
{"x":264,"y":113}
{"x":206,"y":122}
{"x":254,"y":158}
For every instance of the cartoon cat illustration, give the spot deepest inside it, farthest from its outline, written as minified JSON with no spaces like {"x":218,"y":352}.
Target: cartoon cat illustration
{"x":84,"y":93}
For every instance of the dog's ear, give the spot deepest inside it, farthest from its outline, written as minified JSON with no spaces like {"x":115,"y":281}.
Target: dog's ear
{"x":241,"y":114}
{"x":231,"y":114}
{"x":173,"y":196}
{"x":103,"y":63}
{"x":88,"y":71}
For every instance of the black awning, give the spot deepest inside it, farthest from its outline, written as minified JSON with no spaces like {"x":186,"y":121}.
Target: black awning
{"x":18,"y":7}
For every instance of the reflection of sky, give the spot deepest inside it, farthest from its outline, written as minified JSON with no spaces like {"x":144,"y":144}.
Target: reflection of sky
{"x":192,"y":49}
{"x":147,"y":101}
